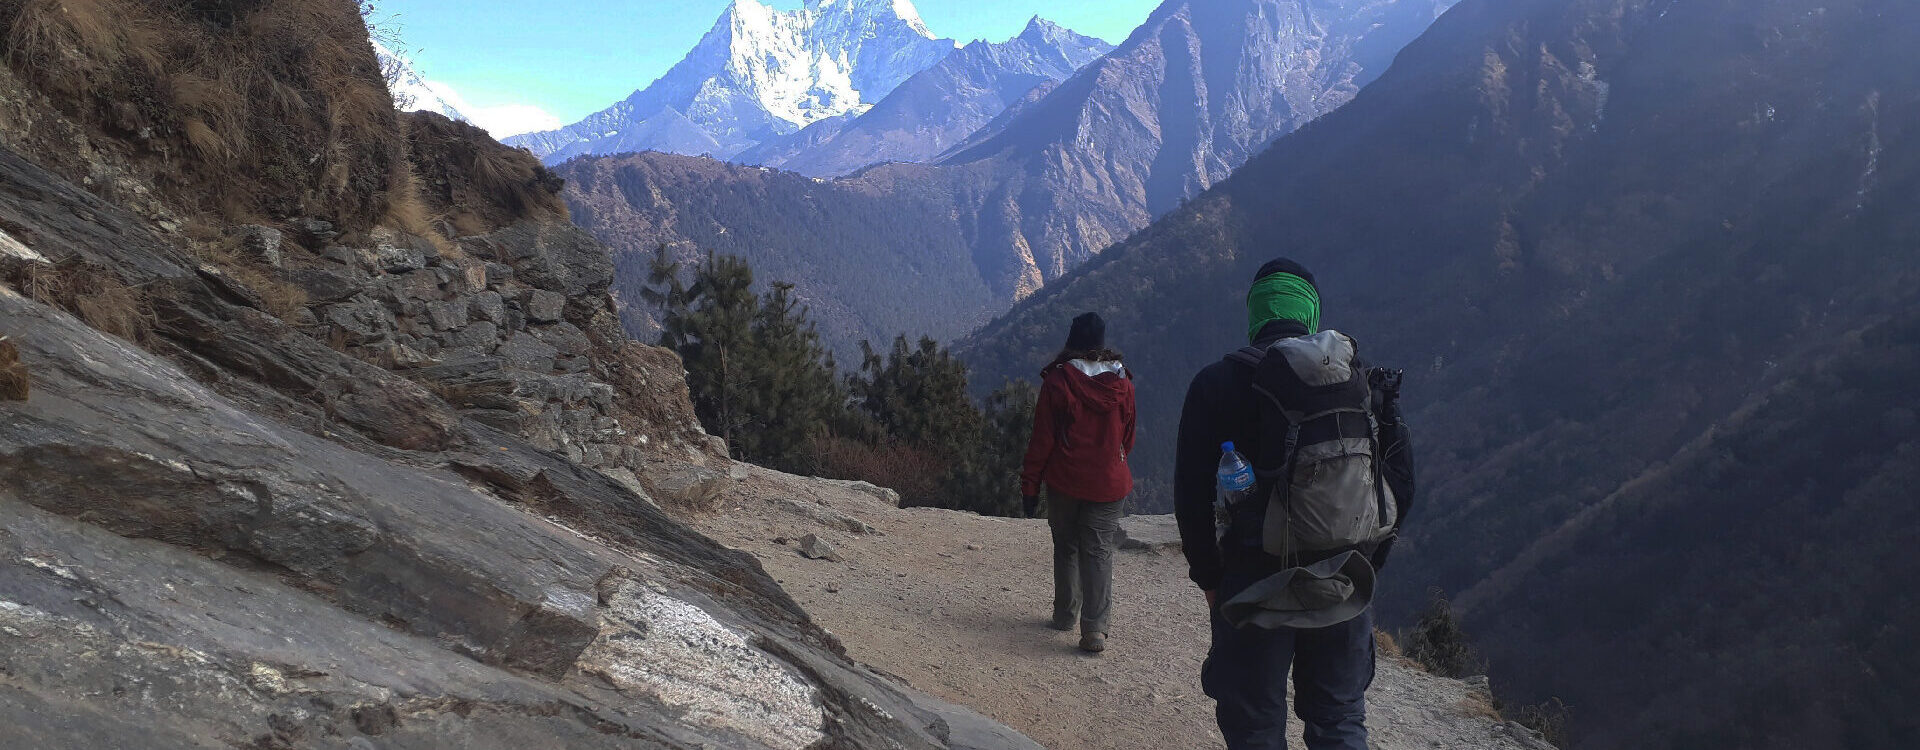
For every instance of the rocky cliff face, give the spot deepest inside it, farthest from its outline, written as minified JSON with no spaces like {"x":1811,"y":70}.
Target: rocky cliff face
{"x":307,"y":483}
{"x":341,"y":536}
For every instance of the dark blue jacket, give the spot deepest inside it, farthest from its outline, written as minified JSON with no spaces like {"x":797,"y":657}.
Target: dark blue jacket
{"x":1221,"y":406}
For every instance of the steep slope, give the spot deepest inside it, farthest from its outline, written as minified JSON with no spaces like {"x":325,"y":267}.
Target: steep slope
{"x":939,"y":107}
{"x":758,"y":74}
{"x":869,"y":264}
{"x":1066,"y":169}
{"x":1592,"y":232}
{"x":1194,"y":92}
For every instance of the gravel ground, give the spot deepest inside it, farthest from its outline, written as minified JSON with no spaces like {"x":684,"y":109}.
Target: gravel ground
{"x":955,"y":604}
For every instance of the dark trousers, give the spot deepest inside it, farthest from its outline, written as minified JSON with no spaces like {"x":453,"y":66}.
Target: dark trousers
{"x":1246,"y":673}
{"x":1084,"y":536}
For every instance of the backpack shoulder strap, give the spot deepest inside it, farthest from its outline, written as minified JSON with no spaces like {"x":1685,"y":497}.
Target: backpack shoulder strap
{"x":1250,"y":356}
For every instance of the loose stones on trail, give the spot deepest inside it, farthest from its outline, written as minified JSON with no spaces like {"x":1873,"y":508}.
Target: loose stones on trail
{"x":813,"y":547}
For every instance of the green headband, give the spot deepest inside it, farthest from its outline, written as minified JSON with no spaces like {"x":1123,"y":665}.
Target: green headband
{"x":1282,"y":296}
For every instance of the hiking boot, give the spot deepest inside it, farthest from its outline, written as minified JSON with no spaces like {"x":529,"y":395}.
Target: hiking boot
{"x":1062,"y":624}
{"x":1093,"y":643}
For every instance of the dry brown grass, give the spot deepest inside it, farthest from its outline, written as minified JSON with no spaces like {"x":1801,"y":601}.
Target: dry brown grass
{"x":912,"y":472}
{"x":268,"y":108}
{"x":1384,"y":643}
{"x":223,"y":251}
{"x":95,"y":296}
{"x":75,"y":45}
{"x":478,"y":185}
{"x":14,"y":383}
{"x":408,"y":211}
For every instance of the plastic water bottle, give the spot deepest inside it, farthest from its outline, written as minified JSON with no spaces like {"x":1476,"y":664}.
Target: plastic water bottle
{"x":1235,"y":481}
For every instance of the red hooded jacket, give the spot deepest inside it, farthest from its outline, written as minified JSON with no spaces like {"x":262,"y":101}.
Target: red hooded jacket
{"x":1082,"y":432}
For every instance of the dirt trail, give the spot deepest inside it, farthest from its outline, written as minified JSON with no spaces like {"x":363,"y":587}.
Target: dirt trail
{"x":955,"y":604}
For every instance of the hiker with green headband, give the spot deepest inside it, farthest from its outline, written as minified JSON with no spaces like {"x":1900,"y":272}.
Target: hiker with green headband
{"x":1288,"y":560}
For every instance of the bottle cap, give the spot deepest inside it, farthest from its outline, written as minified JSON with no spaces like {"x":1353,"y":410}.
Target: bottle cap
{"x":1226,"y":447}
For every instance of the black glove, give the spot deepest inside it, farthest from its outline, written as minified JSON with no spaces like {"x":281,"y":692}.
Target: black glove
{"x":1030,"y":504}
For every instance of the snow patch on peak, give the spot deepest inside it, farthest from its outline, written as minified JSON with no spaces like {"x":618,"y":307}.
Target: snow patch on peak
{"x":763,"y":73}
{"x":1042,"y":26}
{"x":413,"y":92}
{"x":904,"y":10}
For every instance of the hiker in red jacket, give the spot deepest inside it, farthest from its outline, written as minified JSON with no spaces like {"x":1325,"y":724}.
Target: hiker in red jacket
{"x":1082,"y":433}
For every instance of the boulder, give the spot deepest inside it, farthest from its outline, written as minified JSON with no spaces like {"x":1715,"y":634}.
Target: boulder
{"x":556,"y":256}
{"x":566,"y":338}
{"x":687,"y":485}
{"x":315,"y":231}
{"x":498,"y":274}
{"x":359,"y":322}
{"x":261,"y":242}
{"x":397,"y":289}
{"x":543,"y":306}
{"x":1158,"y":534}
{"x":527,"y":352}
{"x":449,"y":314}
{"x":813,"y":547}
{"x":823,"y":515}
{"x":482,"y":334}
{"x":345,"y":256}
{"x":217,"y":479}
{"x":238,"y":564}
{"x":324,"y":286}
{"x":488,"y":306}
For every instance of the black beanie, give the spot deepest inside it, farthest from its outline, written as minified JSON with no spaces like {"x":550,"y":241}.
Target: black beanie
{"x":1285,"y":265}
{"x":1089,"y":333}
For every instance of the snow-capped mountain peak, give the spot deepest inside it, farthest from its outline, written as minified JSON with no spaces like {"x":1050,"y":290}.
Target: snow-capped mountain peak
{"x":411,"y":91}
{"x":761,"y":73}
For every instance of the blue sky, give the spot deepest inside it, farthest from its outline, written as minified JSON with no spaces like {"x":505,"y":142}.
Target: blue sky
{"x":570,"y":58}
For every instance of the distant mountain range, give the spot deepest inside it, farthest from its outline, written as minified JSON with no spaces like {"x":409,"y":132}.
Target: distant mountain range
{"x":1188,"y":97}
{"x":939,"y":107}
{"x":1033,"y":153}
{"x":1650,"y":268}
{"x":867,"y":263}
{"x":414,"y":92}
{"x":757,"y":75}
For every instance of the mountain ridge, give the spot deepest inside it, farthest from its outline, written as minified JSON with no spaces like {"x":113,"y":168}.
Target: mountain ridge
{"x":1035,"y":198}
{"x":1596,"y":234}
{"x":759,"y":73}
{"x":938,"y":107}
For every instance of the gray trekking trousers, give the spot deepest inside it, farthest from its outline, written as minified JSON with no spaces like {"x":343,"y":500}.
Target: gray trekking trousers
{"x":1084,"y":537}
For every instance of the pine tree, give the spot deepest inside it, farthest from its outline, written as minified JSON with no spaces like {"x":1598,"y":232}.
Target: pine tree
{"x":917,"y":395}
{"x":987,"y":479}
{"x":756,"y":371}
{"x":1439,"y":644}
{"x":795,"y":393}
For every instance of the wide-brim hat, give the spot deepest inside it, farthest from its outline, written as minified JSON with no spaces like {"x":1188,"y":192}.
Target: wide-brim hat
{"x":1325,"y":593}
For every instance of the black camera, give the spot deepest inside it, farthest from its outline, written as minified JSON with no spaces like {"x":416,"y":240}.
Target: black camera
{"x":1386,"y":380}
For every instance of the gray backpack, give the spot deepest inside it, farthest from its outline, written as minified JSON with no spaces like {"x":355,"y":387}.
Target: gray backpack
{"x":1319,"y":458}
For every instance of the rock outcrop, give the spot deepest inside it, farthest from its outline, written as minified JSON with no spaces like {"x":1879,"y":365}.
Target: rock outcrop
{"x":382,"y":522}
